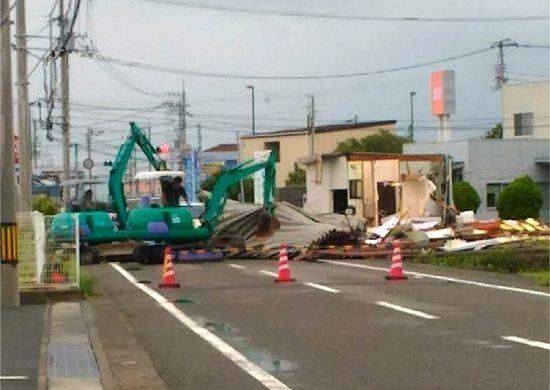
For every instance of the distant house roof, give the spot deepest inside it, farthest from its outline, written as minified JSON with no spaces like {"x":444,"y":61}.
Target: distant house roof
{"x":322,"y":129}
{"x":364,"y":156}
{"x":224,"y":148}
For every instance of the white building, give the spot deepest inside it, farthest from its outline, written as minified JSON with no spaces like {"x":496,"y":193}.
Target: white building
{"x":490,"y":164}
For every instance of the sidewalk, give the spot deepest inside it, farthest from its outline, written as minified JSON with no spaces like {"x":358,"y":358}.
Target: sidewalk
{"x":71,"y":360}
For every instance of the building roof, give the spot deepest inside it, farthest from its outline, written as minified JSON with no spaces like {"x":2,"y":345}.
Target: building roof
{"x":364,"y":156}
{"x":322,"y":129}
{"x":224,"y":148}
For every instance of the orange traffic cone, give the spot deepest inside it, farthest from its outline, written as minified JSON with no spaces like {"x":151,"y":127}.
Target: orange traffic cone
{"x":396,"y":268}
{"x":168,"y":274}
{"x":284,"y":269}
{"x":57,"y":276}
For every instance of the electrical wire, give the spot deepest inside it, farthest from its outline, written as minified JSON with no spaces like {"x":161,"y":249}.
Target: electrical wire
{"x":157,"y":68}
{"x":320,"y":15}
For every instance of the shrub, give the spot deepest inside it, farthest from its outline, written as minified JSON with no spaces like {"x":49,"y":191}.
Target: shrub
{"x":45,"y":205}
{"x":234,"y":190}
{"x":520,"y":199}
{"x":465,"y":196}
{"x":296,"y":178}
{"x":382,"y":142}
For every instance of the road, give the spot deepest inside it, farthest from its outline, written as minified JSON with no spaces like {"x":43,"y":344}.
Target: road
{"x":21,"y":329}
{"x":339,"y":326}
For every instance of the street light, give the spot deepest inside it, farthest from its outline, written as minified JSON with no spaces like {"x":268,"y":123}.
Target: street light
{"x":412,"y":93}
{"x":251,"y":87}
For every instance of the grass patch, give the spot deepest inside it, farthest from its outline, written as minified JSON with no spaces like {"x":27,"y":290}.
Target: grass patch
{"x":542,"y":277}
{"x":87,"y":284}
{"x":500,"y":260}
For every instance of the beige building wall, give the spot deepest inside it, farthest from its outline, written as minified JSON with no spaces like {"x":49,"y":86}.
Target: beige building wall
{"x":297,"y":145}
{"x":529,"y":97}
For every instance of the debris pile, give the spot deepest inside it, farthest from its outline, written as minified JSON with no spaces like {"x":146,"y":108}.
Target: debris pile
{"x":338,"y":236}
{"x":299,"y":231}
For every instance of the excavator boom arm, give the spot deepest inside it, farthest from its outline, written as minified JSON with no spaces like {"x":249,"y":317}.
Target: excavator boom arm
{"x":229,"y":177}
{"x":116,"y":174}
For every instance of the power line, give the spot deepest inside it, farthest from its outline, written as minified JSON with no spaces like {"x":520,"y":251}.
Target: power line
{"x":320,"y":15}
{"x":157,"y":68}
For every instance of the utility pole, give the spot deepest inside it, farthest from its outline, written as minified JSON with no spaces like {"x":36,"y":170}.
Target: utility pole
{"x":89,"y":134}
{"x":182,"y":137}
{"x":65,"y":121}
{"x":240,"y":160}
{"x":25,"y":169}
{"x":35,"y":145}
{"x":251,"y":87}
{"x":150,"y":182}
{"x":75,"y":146}
{"x":89,"y":150}
{"x":500,"y":68}
{"x":135,"y":172}
{"x":411,"y":133}
{"x":9,"y":278}
{"x":199,"y":149}
{"x":311,"y":122}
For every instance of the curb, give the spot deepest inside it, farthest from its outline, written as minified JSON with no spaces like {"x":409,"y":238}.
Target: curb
{"x":105,"y":373}
{"x":42,"y":380}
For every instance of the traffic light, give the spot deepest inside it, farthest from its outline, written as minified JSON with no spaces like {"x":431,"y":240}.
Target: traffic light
{"x":108,"y":163}
{"x":163,"y":149}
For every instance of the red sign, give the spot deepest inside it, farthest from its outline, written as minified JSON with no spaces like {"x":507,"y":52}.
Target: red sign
{"x":442,"y":92}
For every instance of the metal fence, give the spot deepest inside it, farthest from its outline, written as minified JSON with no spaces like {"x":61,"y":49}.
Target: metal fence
{"x":47,"y":260}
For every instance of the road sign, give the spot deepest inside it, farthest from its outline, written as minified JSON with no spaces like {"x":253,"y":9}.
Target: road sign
{"x":88,"y":163}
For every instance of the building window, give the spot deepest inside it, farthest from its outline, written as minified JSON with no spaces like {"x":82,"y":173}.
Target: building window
{"x":275,"y":147}
{"x":493,"y":191}
{"x":523,"y":123}
{"x":355,"y":189}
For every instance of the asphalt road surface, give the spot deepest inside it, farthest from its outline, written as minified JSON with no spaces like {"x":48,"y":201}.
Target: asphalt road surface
{"x":22,"y":329}
{"x":339,"y":326}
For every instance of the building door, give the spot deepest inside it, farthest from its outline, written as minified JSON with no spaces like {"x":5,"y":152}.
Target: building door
{"x":386,"y":199}
{"x":340,"y":201}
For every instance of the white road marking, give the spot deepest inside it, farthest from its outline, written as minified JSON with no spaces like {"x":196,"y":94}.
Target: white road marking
{"x":446,"y":278}
{"x":268,"y":273}
{"x":407,"y":310}
{"x":14,"y":378}
{"x":268,"y":380}
{"x":321,"y":287}
{"x":238,"y":266}
{"x":532,"y":343}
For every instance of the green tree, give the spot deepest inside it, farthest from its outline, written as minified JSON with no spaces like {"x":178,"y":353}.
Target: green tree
{"x":45,"y":205}
{"x":521,"y":199}
{"x":234,"y":190}
{"x":296,"y":177}
{"x":495,"y":132}
{"x":382,"y":142}
{"x":465,"y":196}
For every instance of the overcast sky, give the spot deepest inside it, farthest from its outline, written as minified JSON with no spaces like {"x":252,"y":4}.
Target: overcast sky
{"x":163,"y":33}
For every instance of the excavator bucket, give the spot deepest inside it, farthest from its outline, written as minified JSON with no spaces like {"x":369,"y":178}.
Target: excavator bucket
{"x":267,"y":224}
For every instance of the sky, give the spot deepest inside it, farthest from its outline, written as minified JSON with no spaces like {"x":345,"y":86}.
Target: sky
{"x":178,"y":35}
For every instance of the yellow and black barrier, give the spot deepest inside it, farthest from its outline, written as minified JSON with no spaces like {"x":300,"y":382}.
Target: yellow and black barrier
{"x":9,"y":242}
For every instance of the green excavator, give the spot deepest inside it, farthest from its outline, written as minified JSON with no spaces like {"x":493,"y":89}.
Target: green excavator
{"x":152,"y":228}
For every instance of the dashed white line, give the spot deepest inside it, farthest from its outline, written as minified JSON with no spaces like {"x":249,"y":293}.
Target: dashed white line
{"x":268,"y":273}
{"x":268,"y":380}
{"x":321,"y":287}
{"x":446,"y":278}
{"x":531,"y":343}
{"x":14,"y":378}
{"x":407,"y":310}
{"x":238,"y":266}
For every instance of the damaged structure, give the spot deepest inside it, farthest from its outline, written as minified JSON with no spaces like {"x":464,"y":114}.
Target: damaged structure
{"x":375,"y":185}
